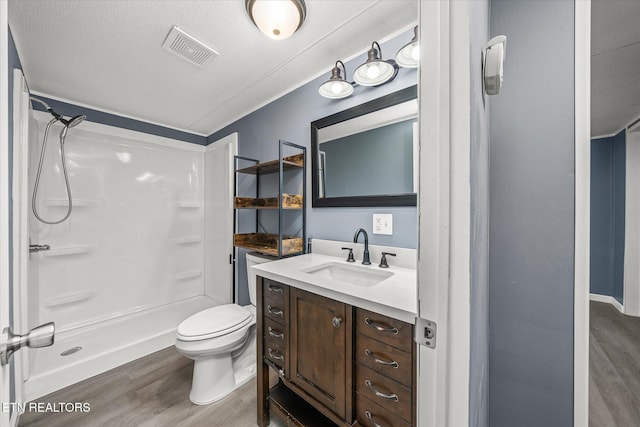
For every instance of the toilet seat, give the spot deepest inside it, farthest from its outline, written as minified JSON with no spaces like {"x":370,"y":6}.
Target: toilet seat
{"x":214,"y":322}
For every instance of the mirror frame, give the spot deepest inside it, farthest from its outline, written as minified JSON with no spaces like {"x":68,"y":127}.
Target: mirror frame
{"x":406,"y":199}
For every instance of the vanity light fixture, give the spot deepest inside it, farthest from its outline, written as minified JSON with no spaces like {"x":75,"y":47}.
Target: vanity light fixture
{"x":409,"y":55}
{"x":277,"y":19}
{"x":336,"y":87}
{"x":375,"y":71}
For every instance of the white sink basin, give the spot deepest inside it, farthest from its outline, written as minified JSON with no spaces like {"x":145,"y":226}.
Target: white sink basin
{"x":350,"y":274}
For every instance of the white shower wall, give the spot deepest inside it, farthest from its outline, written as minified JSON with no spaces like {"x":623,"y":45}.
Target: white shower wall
{"x":135,"y":238}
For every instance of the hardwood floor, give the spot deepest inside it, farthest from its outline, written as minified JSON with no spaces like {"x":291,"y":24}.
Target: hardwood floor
{"x":149,"y":392}
{"x":614,"y":368}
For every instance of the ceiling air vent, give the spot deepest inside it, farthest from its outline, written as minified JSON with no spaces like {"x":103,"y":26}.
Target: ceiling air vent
{"x":187,"y":47}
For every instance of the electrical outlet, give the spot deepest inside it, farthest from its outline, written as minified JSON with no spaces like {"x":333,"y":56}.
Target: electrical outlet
{"x":383,"y":224}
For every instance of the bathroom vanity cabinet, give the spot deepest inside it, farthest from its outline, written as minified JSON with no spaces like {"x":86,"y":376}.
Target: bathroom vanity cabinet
{"x":337,"y":364}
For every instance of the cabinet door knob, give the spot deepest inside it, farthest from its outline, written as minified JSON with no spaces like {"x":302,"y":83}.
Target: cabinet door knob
{"x":336,"y":322}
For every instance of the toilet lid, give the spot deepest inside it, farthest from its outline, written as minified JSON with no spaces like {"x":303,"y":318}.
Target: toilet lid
{"x":214,"y":322}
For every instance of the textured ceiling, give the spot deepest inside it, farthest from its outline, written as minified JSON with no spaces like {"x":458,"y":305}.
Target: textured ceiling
{"x":615,"y":65}
{"x":107,"y":54}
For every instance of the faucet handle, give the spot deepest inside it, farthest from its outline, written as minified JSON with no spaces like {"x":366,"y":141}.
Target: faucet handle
{"x":350,"y":258}
{"x":383,"y":260}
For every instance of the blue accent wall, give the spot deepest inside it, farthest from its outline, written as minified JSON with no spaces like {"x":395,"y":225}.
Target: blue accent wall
{"x":532,"y":218}
{"x":68,"y":109}
{"x":608,"y":174}
{"x":289,"y":118}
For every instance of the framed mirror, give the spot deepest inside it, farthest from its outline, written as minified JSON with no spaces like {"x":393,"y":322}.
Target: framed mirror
{"x":367,"y":155}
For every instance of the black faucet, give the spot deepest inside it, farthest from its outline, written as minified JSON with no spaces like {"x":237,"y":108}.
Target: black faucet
{"x":365,"y":257}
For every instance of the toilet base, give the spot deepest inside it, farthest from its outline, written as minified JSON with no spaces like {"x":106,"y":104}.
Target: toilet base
{"x":214,"y":377}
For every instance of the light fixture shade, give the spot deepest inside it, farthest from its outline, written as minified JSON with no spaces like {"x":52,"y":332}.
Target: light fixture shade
{"x":277,"y":19}
{"x":409,"y":55}
{"x":336,"y":87}
{"x":375,"y":71}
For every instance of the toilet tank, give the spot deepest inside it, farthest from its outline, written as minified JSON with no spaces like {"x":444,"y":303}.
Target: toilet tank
{"x":254,"y":258}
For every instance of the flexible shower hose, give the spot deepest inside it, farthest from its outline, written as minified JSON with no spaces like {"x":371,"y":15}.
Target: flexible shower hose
{"x":66,"y":176}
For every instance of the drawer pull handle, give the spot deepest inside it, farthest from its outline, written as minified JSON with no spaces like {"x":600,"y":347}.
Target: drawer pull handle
{"x":275,"y":334}
{"x":336,"y":322}
{"x":369,"y":415}
{"x":380,"y":361}
{"x":275,"y":355}
{"x":272,"y":288}
{"x":275,"y":311}
{"x":375,"y":391}
{"x":379,"y":327}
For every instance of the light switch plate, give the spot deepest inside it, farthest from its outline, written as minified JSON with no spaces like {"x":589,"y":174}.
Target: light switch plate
{"x":383,"y":224}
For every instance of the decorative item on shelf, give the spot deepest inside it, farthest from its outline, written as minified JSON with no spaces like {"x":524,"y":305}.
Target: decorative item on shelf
{"x":336,"y":87}
{"x":277,"y":19}
{"x":409,"y":55}
{"x":375,"y":71}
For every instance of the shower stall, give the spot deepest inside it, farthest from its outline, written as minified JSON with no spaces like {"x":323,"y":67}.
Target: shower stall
{"x":119,"y":271}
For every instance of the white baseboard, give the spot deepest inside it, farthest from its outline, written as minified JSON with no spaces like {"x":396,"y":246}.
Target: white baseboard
{"x":608,"y":299}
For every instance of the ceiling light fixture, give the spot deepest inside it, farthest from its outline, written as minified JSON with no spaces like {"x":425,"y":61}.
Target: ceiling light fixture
{"x":277,"y":19}
{"x":336,"y":87}
{"x":375,"y":71}
{"x":409,"y":55}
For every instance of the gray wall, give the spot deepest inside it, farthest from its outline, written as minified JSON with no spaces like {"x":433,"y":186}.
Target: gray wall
{"x":479,"y":304}
{"x":608,"y":174}
{"x":531,"y":249}
{"x":289,"y":118}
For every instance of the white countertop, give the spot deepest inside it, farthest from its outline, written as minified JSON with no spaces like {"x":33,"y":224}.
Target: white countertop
{"x":395,"y":296}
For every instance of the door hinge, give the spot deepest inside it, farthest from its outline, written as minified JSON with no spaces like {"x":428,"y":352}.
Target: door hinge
{"x":426,"y":332}
{"x":231,"y":259}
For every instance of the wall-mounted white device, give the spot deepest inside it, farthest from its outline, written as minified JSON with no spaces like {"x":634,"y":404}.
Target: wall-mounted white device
{"x":494,"y":52}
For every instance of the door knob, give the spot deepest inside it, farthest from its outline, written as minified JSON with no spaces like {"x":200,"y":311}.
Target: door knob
{"x":336,"y":322}
{"x":41,"y":336}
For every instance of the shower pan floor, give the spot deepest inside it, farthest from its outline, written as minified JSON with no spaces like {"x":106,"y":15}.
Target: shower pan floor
{"x":106,"y":345}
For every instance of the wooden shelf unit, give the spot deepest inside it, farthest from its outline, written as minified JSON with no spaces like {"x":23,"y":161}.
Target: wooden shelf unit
{"x":275,"y":244}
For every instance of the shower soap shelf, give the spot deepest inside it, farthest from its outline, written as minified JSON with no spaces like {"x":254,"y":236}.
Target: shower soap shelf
{"x":68,"y":250}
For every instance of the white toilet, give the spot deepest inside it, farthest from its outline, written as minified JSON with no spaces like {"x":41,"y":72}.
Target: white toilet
{"x":222,"y":342}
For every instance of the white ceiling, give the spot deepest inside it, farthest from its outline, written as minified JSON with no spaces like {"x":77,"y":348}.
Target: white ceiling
{"x":107,"y":54}
{"x":615,"y":65}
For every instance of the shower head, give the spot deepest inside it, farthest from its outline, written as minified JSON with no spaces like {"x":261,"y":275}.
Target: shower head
{"x":68,"y":124}
{"x":74,"y":121}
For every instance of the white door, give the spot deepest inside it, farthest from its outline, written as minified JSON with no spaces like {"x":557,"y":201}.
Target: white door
{"x":444,"y":209}
{"x":219,"y":170}
{"x":5,"y":371}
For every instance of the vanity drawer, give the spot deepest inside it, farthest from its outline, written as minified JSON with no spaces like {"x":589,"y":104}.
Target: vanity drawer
{"x":275,"y":335}
{"x":369,"y":414}
{"x":382,"y":328}
{"x":274,"y":290}
{"x":274,"y":309}
{"x":383,"y":358}
{"x":384,"y":391}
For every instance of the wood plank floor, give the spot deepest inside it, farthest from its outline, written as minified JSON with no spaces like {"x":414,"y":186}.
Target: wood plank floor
{"x":614,"y":368}
{"x":152,"y":391}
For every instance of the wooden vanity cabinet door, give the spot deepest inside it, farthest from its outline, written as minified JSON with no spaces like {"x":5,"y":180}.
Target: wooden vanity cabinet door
{"x":320,"y":356}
